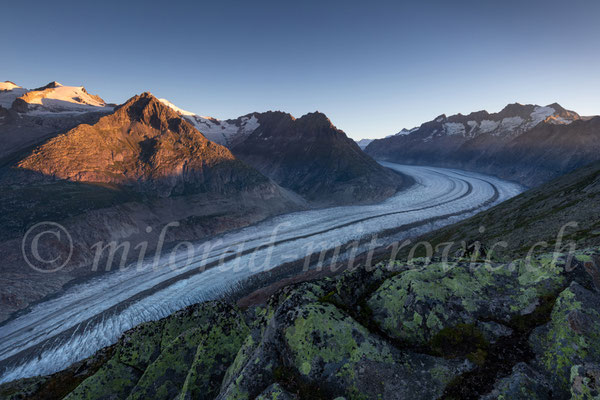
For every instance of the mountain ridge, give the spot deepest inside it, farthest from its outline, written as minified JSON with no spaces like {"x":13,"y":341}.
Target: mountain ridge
{"x":160,"y":149}
{"x":487,"y":142}
{"x":300,"y":154}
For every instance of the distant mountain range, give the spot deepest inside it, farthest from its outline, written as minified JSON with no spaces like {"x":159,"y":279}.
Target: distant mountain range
{"x":526,"y":143}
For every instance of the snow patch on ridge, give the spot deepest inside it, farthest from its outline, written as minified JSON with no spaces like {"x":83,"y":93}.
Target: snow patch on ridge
{"x":510,"y":124}
{"x":488,"y":126}
{"x":64,"y":98}
{"x":541,"y":113}
{"x":454,"y":128}
{"x":8,"y":85}
{"x":226,"y":133}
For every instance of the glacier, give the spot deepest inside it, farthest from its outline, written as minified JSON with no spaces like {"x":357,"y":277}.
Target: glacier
{"x":93,"y":314}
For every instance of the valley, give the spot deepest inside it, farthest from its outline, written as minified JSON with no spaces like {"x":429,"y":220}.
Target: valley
{"x":51,"y":334}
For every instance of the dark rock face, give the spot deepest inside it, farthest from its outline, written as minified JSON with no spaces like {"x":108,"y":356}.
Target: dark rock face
{"x":400,"y":336}
{"x":525,"y":143}
{"x":315,"y":159}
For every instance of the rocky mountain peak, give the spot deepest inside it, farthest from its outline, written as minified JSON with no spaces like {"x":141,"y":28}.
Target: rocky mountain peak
{"x":51,"y":85}
{"x":145,"y":145}
{"x":316,"y":120}
{"x":557,"y":107}
{"x":146,"y":108}
{"x":514,"y":108}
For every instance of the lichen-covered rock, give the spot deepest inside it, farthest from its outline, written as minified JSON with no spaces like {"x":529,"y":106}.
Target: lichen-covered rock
{"x":432,"y":331}
{"x":313,"y":343}
{"x":166,"y":375}
{"x":524,"y":383}
{"x":113,"y":381}
{"x":417,"y":304}
{"x":329,"y":348}
{"x":254,"y":366}
{"x":585,"y":382}
{"x":276,"y":392}
{"x":185,"y":355}
{"x":571,"y":338}
{"x":22,"y":388}
{"x":216,"y":351}
{"x":252,"y":370}
{"x":325,"y":344}
{"x":352,"y":285}
{"x":190,"y":366}
{"x":140,"y":346}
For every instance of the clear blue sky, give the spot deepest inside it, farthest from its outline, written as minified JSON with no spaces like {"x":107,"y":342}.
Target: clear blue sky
{"x":372,"y":67}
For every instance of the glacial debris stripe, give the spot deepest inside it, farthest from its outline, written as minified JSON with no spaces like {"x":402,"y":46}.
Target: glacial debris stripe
{"x":45,"y":340}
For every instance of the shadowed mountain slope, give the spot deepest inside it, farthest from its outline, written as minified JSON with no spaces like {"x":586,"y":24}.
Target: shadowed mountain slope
{"x":310,"y":156}
{"x":526,"y":143}
{"x":537,"y":215}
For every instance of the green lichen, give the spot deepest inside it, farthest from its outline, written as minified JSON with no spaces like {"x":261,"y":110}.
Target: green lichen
{"x":214,"y":353}
{"x":241,"y":359}
{"x":565,"y":346}
{"x":164,"y":377}
{"x":417,"y":304}
{"x":112,"y":379}
{"x":274,"y":392}
{"x":584,"y":386}
{"x":140,"y":346}
{"x":322,"y":333}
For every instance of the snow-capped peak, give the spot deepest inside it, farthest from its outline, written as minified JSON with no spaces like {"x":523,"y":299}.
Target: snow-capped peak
{"x":8,"y":85}
{"x":513,"y":120}
{"x":52,"y":98}
{"x":9,"y":91}
{"x":405,"y":131}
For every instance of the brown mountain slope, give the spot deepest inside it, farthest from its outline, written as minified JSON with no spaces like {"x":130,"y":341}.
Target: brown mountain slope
{"x":146,"y":146}
{"x":310,"y":156}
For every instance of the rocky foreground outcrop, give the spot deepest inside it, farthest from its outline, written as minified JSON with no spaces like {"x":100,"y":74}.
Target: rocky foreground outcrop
{"x":464,"y":329}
